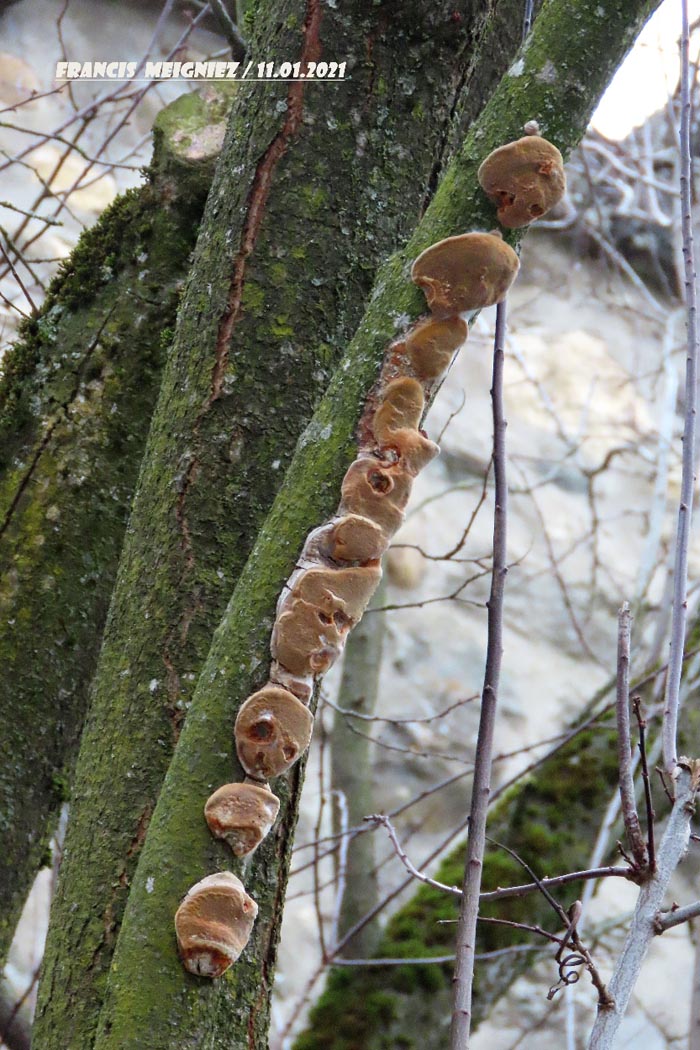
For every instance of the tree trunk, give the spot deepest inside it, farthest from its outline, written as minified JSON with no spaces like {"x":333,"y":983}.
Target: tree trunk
{"x":147,"y":989}
{"x":284,"y":261}
{"x":76,"y":398}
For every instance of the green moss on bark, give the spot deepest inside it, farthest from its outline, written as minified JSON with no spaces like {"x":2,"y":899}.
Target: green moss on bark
{"x":77,"y":392}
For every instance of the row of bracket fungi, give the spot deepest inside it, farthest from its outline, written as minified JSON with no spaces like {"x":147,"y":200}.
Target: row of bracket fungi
{"x":339,"y":567}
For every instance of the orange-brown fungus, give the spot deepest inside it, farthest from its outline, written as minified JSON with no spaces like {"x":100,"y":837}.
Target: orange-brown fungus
{"x":524,"y":179}
{"x":466,"y":272}
{"x":377,"y":492}
{"x":213,"y":924}
{"x":431,"y":344}
{"x":272,"y":730}
{"x":241,"y":815}
{"x":402,"y":406}
{"x":355,"y":538}
{"x":339,"y":591}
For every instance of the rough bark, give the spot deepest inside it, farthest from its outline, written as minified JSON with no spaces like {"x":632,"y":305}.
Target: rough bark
{"x":351,"y":775}
{"x":312,"y":189}
{"x":147,"y":989}
{"x":76,"y":396}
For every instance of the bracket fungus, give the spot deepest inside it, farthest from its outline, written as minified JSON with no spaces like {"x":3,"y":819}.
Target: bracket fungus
{"x":401,"y":406}
{"x":338,"y":571}
{"x":430,"y":345}
{"x":466,"y":272}
{"x":242,"y":815}
{"x":355,"y":538}
{"x":524,"y":179}
{"x":213,"y":924}
{"x":272,"y":731}
{"x":375,"y":491}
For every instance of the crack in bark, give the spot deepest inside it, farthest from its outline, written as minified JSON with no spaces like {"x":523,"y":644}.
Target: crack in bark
{"x":62,"y":415}
{"x":255,"y":211}
{"x":473,"y":48}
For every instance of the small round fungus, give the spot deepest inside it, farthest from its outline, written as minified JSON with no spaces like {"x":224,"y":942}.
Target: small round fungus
{"x":213,"y":924}
{"x":272,"y":730}
{"x":354,"y":538}
{"x":242,"y":815}
{"x":466,"y":272}
{"x":431,"y":344}
{"x":524,"y":179}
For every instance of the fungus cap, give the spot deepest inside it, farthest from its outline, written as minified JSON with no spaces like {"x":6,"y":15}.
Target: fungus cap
{"x":412,"y":450}
{"x":466,"y":272}
{"x":272,"y":730}
{"x":342,"y":594}
{"x":524,"y":179}
{"x":356,"y":538}
{"x":401,"y":405}
{"x":431,"y":344}
{"x":306,"y":639}
{"x":241,"y":815}
{"x":377,"y":492}
{"x":213,"y":924}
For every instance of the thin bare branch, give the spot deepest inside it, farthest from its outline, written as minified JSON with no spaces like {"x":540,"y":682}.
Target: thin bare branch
{"x":680,"y":571}
{"x":481,"y":791}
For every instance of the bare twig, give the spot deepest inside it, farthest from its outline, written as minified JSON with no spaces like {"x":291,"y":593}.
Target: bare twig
{"x":624,"y":743}
{"x":680,"y":572}
{"x":668,"y":919}
{"x":481,"y":791}
{"x":642,"y":723}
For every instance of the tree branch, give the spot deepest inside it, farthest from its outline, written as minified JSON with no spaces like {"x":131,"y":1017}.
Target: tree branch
{"x":685,"y":509}
{"x":624,"y":743}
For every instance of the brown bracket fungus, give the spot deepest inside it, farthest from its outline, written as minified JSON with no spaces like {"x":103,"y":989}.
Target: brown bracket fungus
{"x":377,"y":492}
{"x":272,"y":731}
{"x":336,"y":574}
{"x":430,"y":345}
{"x":466,"y":272}
{"x":307,"y":640}
{"x":402,"y":406}
{"x":524,"y":179}
{"x":339,"y":591}
{"x":354,"y":538}
{"x":242,"y":815}
{"x":213,"y":924}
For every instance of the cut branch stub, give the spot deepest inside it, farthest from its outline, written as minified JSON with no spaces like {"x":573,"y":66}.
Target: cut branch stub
{"x":467,"y":272}
{"x":272,"y":730}
{"x":524,"y":179}
{"x":242,"y":815}
{"x":430,"y":345}
{"x":213,"y":924}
